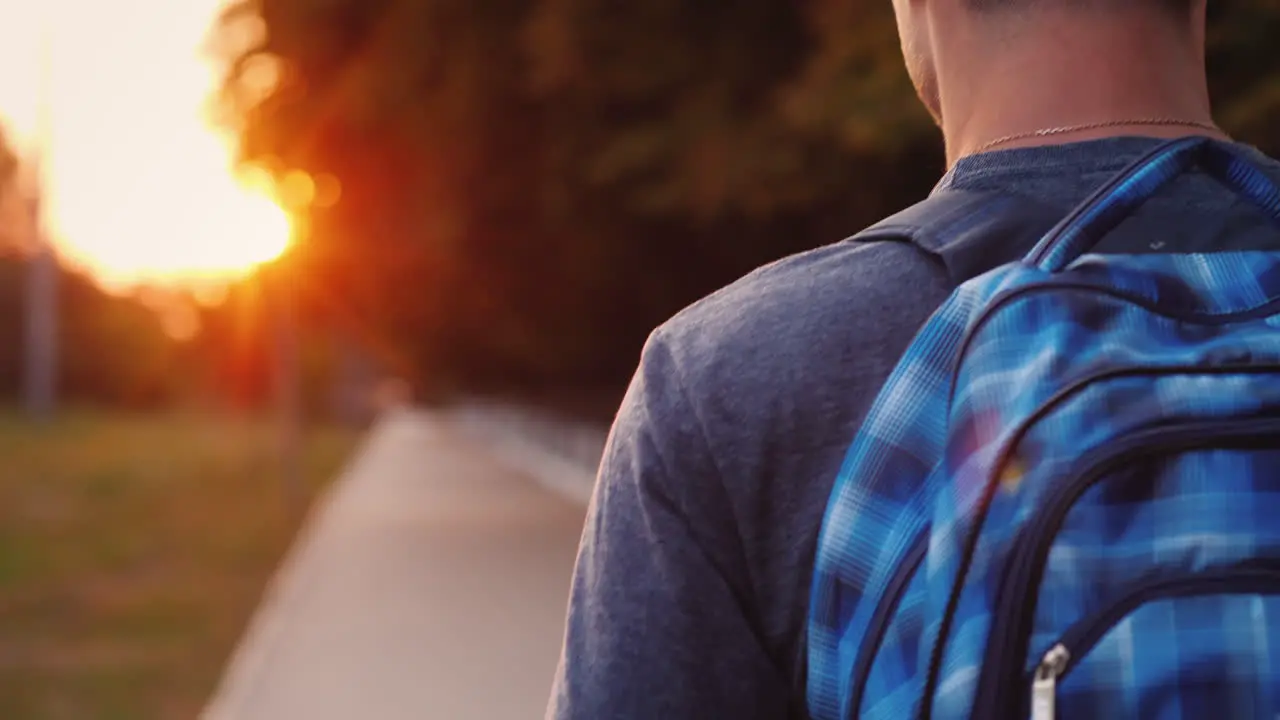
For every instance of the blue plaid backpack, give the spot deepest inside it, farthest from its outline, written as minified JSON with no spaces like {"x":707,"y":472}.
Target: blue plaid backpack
{"x":1065,"y":502}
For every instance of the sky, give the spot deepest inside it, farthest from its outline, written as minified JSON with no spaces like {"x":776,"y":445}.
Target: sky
{"x":140,"y":182}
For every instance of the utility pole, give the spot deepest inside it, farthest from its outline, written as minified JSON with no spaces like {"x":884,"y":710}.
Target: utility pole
{"x":42,"y":278}
{"x":282,"y":305}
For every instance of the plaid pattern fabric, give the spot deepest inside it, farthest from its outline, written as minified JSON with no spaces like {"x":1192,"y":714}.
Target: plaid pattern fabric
{"x":1102,"y":424}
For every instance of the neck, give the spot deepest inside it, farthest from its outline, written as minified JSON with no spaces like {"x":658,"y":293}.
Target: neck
{"x":1068,"y":71}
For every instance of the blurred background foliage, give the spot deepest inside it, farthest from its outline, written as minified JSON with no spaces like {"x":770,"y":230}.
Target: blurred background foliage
{"x":504,"y":197}
{"x":491,"y":197}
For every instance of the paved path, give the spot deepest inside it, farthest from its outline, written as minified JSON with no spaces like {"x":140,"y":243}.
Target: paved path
{"x":430,"y":583}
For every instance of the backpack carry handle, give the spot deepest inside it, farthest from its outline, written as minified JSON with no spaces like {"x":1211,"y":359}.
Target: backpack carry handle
{"x":1116,"y":200}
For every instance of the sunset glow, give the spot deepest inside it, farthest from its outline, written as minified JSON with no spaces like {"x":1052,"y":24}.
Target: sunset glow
{"x":141,"y":185}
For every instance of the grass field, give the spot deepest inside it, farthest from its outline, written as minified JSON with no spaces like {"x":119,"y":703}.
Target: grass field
{"x":132,"y":553}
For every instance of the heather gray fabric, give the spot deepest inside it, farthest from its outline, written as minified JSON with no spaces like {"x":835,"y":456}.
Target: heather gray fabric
{"x":691,"y":590}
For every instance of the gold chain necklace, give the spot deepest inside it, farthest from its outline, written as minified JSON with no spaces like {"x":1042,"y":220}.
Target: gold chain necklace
{"x":1049,"y":132}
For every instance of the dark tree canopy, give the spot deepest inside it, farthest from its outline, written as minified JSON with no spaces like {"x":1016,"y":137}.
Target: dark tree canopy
{"x":529,"y":187}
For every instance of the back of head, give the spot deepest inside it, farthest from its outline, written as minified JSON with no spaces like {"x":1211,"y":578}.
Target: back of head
{"x":1174,"y":7}
{"x":987,"y":69}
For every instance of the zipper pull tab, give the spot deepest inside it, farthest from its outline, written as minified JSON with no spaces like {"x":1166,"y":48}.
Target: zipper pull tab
{"x":1044,"y":689}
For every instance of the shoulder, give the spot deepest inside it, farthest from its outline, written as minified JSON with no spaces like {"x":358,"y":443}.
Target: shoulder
{"x":828,"y":307}
{"x":780,"y":367}
{"x":742,"y":408}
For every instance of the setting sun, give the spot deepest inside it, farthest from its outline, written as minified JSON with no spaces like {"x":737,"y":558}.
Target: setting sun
{"x":141,"y":187}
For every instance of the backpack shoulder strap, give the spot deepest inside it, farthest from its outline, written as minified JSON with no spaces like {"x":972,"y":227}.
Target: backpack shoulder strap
{"x":968,"y":232}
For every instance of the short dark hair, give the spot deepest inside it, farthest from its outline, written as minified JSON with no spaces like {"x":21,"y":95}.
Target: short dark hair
{"x":1171,"y":6}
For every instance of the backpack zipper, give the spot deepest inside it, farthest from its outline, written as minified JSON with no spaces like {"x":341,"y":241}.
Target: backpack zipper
{"x":1044,"y":686}
{"x":1018,"y":593}
{"x":1265,"y":310}
{"x":886,"y":610}
{"x":970,"y":541}
{"x":1079,"y":640}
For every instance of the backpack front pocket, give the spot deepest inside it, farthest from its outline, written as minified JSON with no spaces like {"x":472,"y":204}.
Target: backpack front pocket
{"x":1020,"y":585}
{"x":1204,"y":641}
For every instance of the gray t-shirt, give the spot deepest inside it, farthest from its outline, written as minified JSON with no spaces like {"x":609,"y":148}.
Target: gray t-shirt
{"x":692,"y":585}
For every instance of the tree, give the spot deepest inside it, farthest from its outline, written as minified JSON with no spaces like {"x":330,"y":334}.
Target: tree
{"x":14,"y":223}
{"x":529,"y":187}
